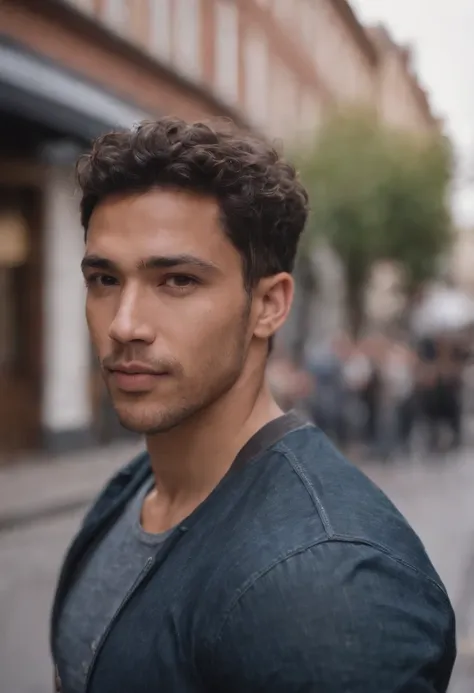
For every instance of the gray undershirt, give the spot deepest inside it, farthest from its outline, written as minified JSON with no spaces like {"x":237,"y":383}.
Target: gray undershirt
{"x":105,"y":578}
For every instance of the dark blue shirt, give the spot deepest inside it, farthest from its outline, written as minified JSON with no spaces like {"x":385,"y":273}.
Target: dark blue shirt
{"x":296,"y":575}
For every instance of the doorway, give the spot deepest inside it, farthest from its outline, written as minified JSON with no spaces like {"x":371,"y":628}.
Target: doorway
{"x":20,"y":318}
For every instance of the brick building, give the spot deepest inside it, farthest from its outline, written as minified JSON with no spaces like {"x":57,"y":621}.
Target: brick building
{"x":70,"y":69}
{"x":402,"y":102}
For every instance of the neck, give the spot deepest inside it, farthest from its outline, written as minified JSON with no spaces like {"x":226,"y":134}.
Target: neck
{"x":189,"y":461}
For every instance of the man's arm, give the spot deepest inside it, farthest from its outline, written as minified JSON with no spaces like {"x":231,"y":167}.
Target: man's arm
{"x":336,"y":618}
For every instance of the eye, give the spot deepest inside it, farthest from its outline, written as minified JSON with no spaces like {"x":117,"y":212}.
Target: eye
{"x":180,"y":281}
{"x":101,"y":280}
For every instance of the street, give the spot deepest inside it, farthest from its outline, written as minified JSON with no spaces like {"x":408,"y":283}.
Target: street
{"x":29,"y":559}
{"x":435,"y":496}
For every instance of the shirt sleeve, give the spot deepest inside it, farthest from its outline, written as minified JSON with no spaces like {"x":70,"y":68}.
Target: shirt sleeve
{"x":337,"y":618}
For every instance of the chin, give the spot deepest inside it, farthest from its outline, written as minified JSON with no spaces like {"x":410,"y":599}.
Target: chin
{"x":145,"y":422}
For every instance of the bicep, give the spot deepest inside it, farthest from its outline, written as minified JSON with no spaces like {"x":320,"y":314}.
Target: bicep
{"x":337,"y":618}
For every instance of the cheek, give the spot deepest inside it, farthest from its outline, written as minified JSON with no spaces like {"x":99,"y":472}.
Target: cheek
{"x":211,"y":331}
{"x":97,"y":323}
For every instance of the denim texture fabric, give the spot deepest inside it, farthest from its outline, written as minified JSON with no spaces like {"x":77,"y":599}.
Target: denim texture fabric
{"x":296,"y":575}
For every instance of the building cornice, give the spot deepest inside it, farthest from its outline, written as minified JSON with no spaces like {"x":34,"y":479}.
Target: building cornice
{"x":384,"y":43}
{"x":358,"y":31}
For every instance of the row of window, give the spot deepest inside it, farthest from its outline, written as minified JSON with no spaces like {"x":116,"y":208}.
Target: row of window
{"x":327,"y":42}
{"x":272,"y":98}
{"x":174,"y":27}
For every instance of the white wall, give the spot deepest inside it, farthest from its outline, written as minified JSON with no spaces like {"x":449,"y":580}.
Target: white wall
{"x":66,"y":401}
{"x":116,"y":14}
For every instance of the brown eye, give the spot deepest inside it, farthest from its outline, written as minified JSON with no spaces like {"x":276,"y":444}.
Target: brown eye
{"x":180,"y":281}
{"x":102,"y":280}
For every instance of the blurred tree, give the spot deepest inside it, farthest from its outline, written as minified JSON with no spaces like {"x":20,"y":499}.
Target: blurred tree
{"x":418,"y":228}
{"x":378,"y":194}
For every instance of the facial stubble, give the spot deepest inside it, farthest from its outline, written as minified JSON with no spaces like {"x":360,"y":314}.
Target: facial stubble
{"x":219,"y":372}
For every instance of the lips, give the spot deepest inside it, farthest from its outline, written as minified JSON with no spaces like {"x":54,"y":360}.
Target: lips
{"x":135,"y":378}
{"x":134,"y":369}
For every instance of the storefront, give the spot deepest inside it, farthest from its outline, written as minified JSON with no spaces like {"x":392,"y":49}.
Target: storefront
{"x":20,"y":286}
{"x":47,"y":116}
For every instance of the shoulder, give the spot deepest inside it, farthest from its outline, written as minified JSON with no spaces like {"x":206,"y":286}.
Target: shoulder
{"x":299,"y":494}
{"x":340,"y":576}
{"x":301,"y":515}
{"x":325,"y":567}
{"x":337,"y":614}
{"x":347,"y":504}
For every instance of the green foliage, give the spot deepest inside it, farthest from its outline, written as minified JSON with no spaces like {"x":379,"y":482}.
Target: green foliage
{"x":378,"y":194}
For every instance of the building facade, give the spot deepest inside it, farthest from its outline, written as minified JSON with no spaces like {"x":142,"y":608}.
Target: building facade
{"x":402,"y":102}
{"x":71,"y":69}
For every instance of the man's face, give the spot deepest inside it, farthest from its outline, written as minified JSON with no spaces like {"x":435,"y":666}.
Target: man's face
{"x":166,"y":306}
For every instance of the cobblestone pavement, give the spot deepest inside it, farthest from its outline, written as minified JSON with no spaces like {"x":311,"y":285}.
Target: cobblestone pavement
{"x":434,"y":496}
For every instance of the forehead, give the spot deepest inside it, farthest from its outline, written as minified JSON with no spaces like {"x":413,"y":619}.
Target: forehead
{"x":159,"y":222}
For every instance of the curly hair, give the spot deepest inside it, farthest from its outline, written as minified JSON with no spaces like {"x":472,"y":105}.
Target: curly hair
{"x":263,"y":205}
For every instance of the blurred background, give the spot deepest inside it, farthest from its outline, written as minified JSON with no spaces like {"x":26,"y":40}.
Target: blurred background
{"x":374,"y":101}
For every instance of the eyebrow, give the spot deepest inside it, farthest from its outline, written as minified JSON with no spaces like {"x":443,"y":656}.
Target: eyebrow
{"x":153,"y":262}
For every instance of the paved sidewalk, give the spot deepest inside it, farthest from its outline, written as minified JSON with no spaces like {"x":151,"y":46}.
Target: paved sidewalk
{"x":436,"y":498}
{"x":41,"y":487}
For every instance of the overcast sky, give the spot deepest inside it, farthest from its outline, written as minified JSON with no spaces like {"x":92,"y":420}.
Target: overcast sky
{"x":442,"y":34}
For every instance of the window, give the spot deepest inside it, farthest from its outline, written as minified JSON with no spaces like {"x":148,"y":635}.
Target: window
{"x":187,"y":49}
{"x":256,"y":77}
{"x":14,"y":253}
{"x":284,"y":101}
{"x":227,"y":50}
{"x":86,"y":5}
{"x":308,"y":20}
{"x":284,"y":9}
{"x":115,"y":14}
{"x":160,"y":20}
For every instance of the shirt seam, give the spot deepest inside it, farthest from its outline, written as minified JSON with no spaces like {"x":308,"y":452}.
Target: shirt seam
{"x":334,"y":539}
{"x":298,"y":468}
{"x":253,"y":461}
{"x":276,"y":446}
{"x":330,"y":533}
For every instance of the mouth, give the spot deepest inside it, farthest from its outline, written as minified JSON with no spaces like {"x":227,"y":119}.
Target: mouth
{"x":135,"y":378}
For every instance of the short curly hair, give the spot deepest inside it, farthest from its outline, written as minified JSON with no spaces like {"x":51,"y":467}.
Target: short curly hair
{"x":263,"y":204}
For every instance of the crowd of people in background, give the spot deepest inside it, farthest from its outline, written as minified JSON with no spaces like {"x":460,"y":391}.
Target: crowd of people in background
{"x":382,"y":395}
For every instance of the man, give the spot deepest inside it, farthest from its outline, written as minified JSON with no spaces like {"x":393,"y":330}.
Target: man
{"x":240,"y":553}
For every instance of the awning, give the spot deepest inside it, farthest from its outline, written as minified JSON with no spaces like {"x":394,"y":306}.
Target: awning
{"x":38,"y":88}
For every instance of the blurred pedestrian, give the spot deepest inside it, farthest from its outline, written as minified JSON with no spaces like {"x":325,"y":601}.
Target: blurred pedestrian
{"x":397,"y":400}
{"x":361,"y":381}
{"x":329,"y":398}
{"x":440,"y":389}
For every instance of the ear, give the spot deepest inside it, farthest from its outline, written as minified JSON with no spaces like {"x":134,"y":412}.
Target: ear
{"x":272,"y":300}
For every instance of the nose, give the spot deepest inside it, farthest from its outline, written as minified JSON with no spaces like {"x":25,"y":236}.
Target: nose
{"x":130,"y":323}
